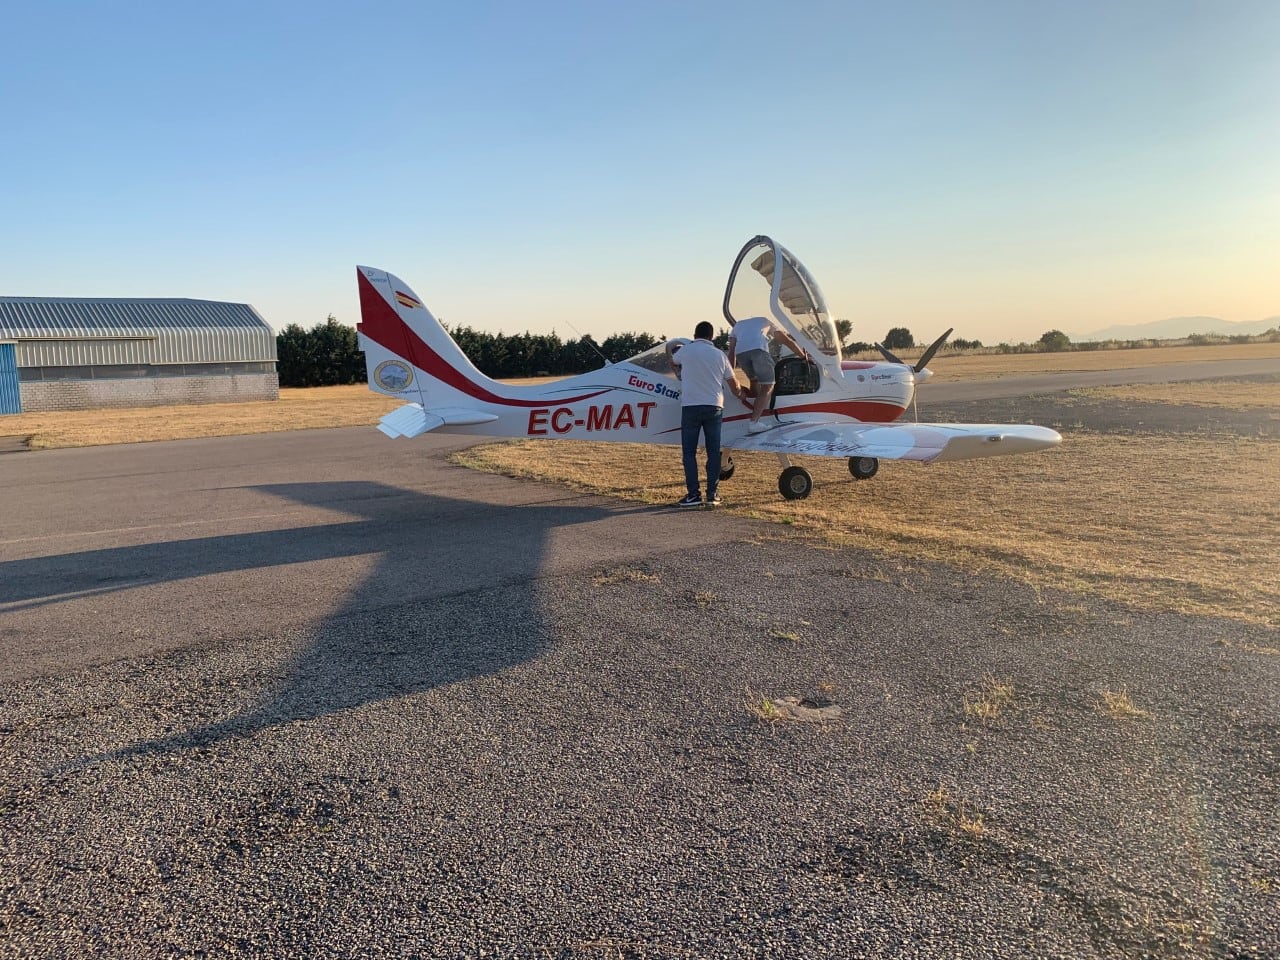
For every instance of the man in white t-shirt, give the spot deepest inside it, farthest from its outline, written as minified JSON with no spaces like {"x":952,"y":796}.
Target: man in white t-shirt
{"x":704,"y":372}
{"x":749,"y":348}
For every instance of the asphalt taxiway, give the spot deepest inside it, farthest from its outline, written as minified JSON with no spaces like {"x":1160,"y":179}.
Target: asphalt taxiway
{"x":322,"y":694}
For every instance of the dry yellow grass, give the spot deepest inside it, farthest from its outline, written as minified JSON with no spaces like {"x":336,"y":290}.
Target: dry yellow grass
{"x":623,"y":575}
{"x":356,"y":405}
{"x":1230,"y":396}
{"x":1156,"y":521}
{"x":984,"y":366}
{"x":1120,"y":706}
{"x":990,"y":701}
{"x":955,"y":814}
{"x":295,"y":410}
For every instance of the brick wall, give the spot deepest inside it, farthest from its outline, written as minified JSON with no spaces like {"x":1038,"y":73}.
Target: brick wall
{"x":38,"y":396}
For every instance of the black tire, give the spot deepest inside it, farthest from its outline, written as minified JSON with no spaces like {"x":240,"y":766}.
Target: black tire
{"x":795,"y":483}
{"x":727,"y":468}
{"x":863,"y":468}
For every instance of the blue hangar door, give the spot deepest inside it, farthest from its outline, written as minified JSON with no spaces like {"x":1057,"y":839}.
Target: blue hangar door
{"x":10,"y":399}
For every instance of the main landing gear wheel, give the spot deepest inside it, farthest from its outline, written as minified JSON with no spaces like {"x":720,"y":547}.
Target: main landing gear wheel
{"x":795,"y":483}
{"x":726,"y":468}
{"x":863,"y":468}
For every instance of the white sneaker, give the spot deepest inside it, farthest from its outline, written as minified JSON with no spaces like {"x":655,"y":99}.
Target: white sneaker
{"x":755,"y":426}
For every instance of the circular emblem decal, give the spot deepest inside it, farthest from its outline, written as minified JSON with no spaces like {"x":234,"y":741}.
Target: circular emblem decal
{"x":393,"y":375}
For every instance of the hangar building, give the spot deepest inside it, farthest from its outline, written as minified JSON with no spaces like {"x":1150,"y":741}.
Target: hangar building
{"x":60,"y":353}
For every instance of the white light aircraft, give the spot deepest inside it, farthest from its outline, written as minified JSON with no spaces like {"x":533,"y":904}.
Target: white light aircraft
{"x":824,"y":407}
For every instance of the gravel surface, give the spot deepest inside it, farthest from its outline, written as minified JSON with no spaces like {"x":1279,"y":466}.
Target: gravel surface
{"x":465,"y":716}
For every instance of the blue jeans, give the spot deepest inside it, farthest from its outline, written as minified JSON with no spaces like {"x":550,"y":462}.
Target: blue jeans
{"x":705,"y":420}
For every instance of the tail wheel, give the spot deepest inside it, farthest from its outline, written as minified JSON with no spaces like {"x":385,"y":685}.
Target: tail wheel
{"x":726,"y":468}
{"x":795,"y":483}
{"x":863,"y":468}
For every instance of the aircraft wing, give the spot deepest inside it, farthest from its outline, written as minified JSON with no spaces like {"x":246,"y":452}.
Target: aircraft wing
{"x":412,"y":420}
{"x":925,"y":442}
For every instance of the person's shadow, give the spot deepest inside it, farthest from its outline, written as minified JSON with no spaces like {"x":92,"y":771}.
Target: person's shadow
{"x":425,"y":616}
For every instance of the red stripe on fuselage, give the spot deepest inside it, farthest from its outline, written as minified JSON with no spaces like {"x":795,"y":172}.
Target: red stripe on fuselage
{"x":864,"y":411}
{"x":380,"y":322}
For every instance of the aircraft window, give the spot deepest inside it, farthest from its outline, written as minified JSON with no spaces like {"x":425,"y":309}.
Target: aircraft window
{"x":654,"y":359}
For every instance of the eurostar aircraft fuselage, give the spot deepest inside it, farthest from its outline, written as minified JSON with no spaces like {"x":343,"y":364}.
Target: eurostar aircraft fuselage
{"x":827,"y":407}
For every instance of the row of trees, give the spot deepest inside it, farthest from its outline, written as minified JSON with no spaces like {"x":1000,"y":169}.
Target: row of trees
{"x":900,"y":338}
{"x":329,"y":354}
{"x":532,"y":355}
{"x":326,"y":355}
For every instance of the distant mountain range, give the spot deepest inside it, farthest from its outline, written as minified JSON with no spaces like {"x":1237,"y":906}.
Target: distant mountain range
{"x":1176,"y":328}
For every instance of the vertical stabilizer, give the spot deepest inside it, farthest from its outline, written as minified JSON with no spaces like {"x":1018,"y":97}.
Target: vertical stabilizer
{"x":408,"y":353}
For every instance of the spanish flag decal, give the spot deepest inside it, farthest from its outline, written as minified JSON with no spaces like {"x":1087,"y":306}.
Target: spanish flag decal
{"x":406,"y":301}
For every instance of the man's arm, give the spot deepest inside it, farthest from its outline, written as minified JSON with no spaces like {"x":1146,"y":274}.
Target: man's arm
{"x":789,"y":340}
{"x":671,"y":348}
{"x":731,"y":379}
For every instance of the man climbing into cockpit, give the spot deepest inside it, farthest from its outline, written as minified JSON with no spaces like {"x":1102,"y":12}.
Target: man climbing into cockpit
{"x":749,"y":349}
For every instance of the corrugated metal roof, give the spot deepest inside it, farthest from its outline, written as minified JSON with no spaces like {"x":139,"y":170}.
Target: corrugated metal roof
{"x":59,"y":331}
{"x":76,"y":316}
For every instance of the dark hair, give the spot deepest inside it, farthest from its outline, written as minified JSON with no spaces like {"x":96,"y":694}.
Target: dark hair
{"x":704,"y":331}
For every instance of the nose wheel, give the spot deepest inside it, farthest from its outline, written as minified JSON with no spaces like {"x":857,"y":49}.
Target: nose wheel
{"x":795,"y":483}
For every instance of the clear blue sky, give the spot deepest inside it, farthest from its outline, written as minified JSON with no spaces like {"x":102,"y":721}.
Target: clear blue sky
{"x":1001,"y":167}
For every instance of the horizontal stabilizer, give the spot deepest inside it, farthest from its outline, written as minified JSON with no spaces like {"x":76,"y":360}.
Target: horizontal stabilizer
{"x":412,"y":420}
{"x":408,"y":421}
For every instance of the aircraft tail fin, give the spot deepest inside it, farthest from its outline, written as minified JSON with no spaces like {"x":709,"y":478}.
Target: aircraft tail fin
{"x":404,"y":345}
{"x":410,"y":355}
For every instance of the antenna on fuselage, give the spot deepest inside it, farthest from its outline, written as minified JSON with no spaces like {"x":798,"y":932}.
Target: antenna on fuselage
{"x":589,"y":342}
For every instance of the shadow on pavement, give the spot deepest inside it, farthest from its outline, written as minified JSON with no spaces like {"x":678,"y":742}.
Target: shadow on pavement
{"x":412,"y":625}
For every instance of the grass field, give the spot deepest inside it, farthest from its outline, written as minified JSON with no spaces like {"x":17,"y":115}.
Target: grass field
{"x":1229,"y":396}
{"x":357,"y":406}
{"x":980,"y":366}
{"x":1154,"y":521}
{"x":351,"y":406}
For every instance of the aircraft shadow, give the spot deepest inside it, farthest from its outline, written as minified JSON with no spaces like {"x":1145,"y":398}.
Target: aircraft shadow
{"x":414,"y":623}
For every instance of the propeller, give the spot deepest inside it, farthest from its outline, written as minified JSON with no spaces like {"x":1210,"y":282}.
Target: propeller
{"x":919,"y":365}
{"x":924,"y":357}
{"x":933,"y":348}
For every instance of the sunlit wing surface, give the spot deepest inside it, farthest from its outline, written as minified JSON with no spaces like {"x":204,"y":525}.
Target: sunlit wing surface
{"x":923,"y":442}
